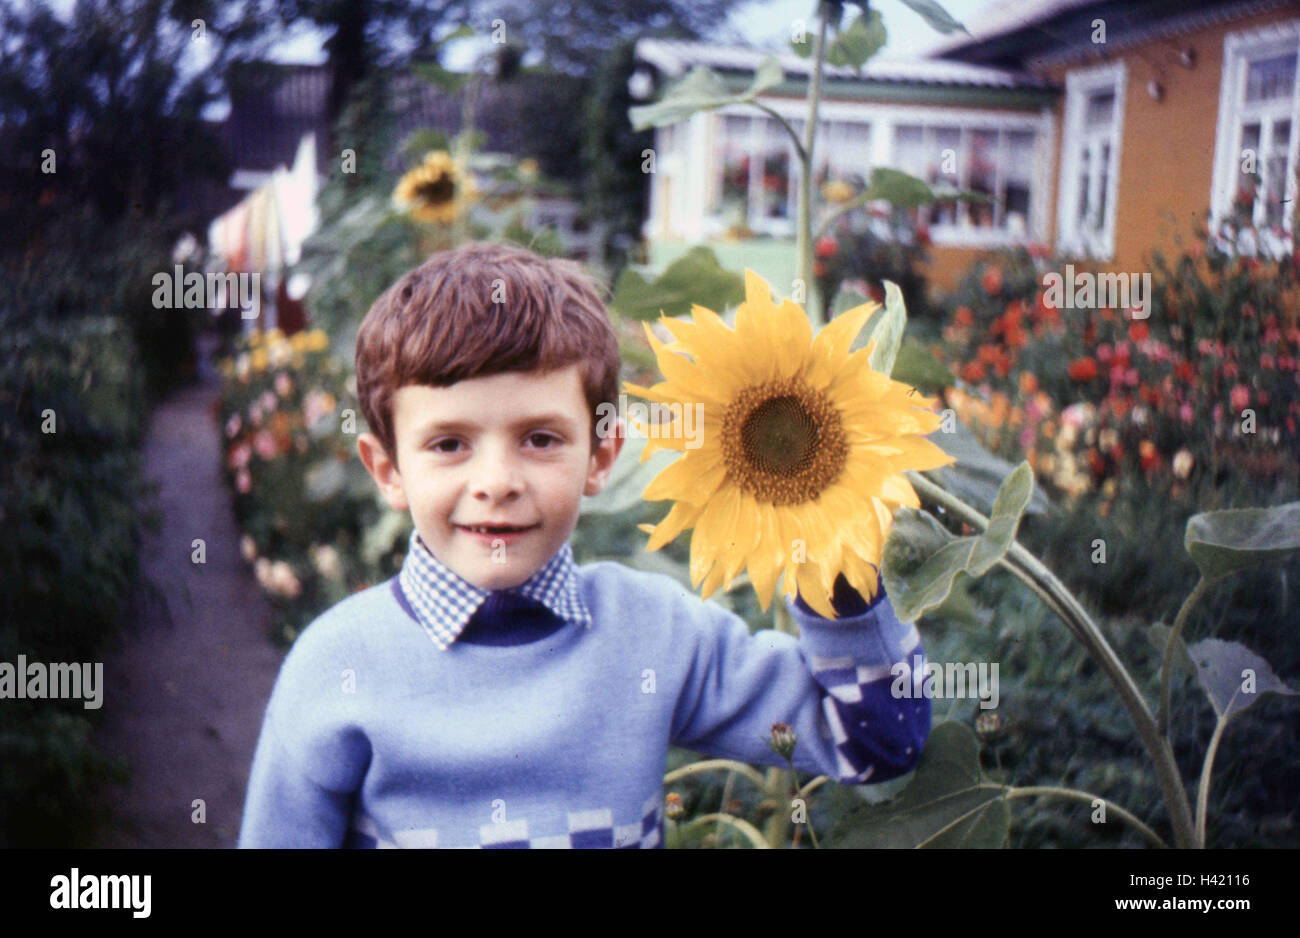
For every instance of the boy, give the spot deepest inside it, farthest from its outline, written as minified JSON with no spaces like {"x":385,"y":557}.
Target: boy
{"x":493,"y":693}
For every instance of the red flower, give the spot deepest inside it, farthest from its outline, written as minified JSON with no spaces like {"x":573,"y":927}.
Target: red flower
{"x":827,"y":246}
{"x":1083,"y":369}
{"x":964,"y":316}
{"x":1183,"y":370}
{"x":1148,"y":455}
{"x":819,"y":269}
{"x":1138,"y":331}
{"x":972,"y":372}
{"x":992,"y":281}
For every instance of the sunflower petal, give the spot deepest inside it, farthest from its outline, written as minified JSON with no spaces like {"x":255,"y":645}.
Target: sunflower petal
{"x":696,"y":475}
{"x":680,"y":517}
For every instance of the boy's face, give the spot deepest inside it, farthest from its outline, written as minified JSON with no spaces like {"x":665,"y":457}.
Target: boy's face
{"x":508,"y":449}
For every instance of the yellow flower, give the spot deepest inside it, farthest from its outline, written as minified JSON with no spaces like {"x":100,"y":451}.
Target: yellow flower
{"x":837,"y":190}
{"x":528,"y":168}
{"x":258,"y":360}
{"x":436,"y":190}
{"x":799,"y":466}
{"x":317,"y":340}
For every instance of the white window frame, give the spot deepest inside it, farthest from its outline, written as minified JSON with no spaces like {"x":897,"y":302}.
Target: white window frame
{"x":963,"y":233}
{"x":1239,"y":48}
{"x":1080,"y":85}
{"x":882,"y":119}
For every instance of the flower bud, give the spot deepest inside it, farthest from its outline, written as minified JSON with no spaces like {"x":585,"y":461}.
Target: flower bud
{"x":673,"y":806}
{"x":783,"y":740}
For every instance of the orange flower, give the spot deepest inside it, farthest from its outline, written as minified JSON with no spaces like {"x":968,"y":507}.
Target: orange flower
{"x":1150,"y":457}
{"x":964,"y":316}
{"x":1028,"y":383}
{"x":992,"y":281}
{"x":1083,"y":369}
{"x":972,"y":372}
{"x":988,"y":353}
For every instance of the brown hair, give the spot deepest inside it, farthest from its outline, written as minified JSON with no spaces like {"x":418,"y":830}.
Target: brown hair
{"x":478,"y":310}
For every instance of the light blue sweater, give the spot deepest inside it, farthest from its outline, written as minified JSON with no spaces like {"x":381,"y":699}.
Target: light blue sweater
{"x":373,"y":736}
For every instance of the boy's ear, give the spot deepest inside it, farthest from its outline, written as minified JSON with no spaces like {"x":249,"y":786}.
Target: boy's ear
{"x":602,"y":459}
{"x":383,"y":470}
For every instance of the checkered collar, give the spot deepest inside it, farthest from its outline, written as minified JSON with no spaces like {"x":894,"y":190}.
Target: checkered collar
{"x":444,"y":602}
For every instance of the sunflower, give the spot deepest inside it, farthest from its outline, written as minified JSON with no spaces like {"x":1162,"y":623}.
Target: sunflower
{"x":799,"y":466}
{"x":837,"y":190}
{"x":435,"y":190}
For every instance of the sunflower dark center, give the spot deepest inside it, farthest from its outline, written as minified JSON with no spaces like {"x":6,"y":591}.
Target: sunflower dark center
{"x":440,"y":190}
{"x":783,"y":442}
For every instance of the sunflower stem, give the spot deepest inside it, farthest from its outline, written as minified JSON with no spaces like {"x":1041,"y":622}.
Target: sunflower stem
{"x":803,"y":231}
{"x":1167,"y":664}
{"x":1031,"y":570}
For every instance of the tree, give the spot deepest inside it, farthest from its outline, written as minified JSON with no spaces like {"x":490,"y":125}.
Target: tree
{"x":575,"y":36}
{"x":101,"y":112}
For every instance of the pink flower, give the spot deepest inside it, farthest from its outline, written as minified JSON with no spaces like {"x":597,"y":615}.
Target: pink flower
{"x":1185,"y":412}
{"x":243,"y":481}
{"x":1103,"y":352}
{"x":264,"y":445}
{"x":1131,"y":377}
{"x":268,"y":402}
{"x":1266,"y":361}
{"x":233,"y":425}
{"x":1240,"y":397}
{"x":283,"y":384}
{"x":239,"y":456}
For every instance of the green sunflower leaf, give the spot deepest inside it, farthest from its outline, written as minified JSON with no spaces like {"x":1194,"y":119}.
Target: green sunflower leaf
{"x":1223,"y":542}
{"x":888,"y":330}
{"x":938,"y":18}
{"x":921,"y":559}
{"x":863,"y":38}
{"x":702,"y":90}
{"x":1233,"y":676}
{"x":949,"y":802}
{"x":695,"y":277}
{"x":917,"y":367}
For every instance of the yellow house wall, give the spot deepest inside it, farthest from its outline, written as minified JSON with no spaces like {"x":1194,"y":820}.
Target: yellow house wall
{"x":1167,"y":153}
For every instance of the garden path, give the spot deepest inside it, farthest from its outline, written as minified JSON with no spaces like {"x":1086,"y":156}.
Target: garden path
{"x":184,"y":694}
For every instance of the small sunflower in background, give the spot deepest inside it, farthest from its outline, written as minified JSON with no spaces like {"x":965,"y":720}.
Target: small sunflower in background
{"x":436,"y":190}
{"x":800,"y":462}
{"x":838,"y":191}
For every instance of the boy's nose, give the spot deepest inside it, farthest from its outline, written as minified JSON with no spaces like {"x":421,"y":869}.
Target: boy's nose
{"x":497,"y":477}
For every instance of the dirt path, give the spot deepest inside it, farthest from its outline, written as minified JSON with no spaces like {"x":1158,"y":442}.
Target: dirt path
{"x":184,"y":698}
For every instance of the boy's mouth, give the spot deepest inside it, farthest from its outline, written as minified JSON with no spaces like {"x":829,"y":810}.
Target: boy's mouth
{"x":495,"y":530}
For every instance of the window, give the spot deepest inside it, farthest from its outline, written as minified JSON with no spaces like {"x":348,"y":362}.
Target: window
{"x":1256,"y":141}
{"x":1090,"y":145}
{"x":843,"y":151}
{"x":755,"y":180}
{"x":996,"y":162}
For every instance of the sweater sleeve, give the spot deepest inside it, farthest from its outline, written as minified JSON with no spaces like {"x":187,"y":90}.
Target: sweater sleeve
{"x":834,"y":686}
{"x":311,"y":756}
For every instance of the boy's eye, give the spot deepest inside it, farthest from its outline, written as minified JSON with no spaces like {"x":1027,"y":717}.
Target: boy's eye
{"x":440,"y":445}
{"x":546,"y":438}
